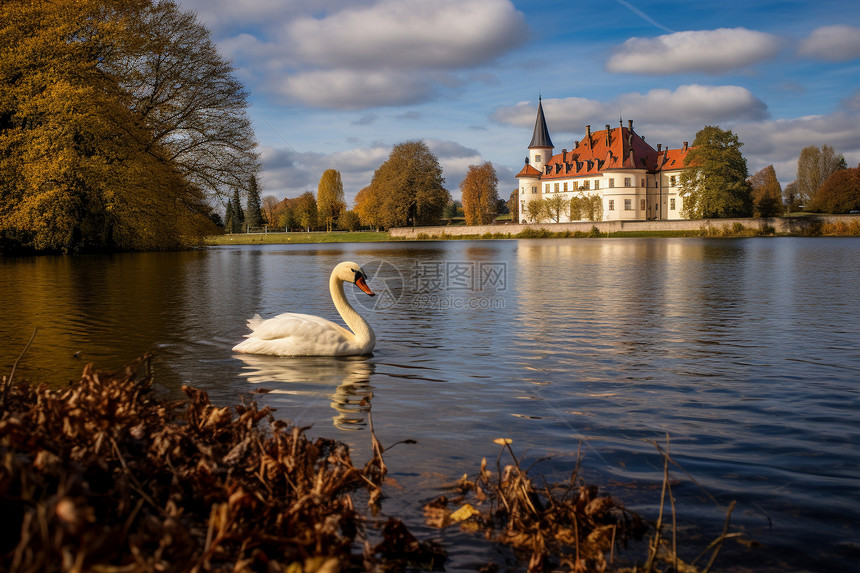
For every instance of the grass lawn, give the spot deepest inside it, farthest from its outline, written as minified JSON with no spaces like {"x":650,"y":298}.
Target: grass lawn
{"x":285,"y":238}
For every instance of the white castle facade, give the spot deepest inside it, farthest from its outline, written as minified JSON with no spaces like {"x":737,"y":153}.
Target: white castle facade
{"x":615,"y":168}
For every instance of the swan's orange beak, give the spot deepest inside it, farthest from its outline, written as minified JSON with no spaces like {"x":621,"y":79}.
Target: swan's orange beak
{"x":362,"y":284}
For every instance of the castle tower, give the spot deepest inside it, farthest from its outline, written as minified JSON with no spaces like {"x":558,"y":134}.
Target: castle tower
{"x":540,"y":148}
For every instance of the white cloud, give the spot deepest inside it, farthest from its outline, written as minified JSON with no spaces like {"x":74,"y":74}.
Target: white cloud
{"x":363,"y":54}
{"x":405,"y":34}
{"x":832,"y":43}
{"x":348,"y":89}
{"x":708,"y":51}
{"x":688,"y":105}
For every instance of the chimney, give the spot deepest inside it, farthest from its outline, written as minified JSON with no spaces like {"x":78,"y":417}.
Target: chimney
{"x":630,"y":124}
{"x":564,"y":155}
{"x":588,"y":131}
{"x":685,"y":146}
{"x":659,"y":147}
{"x":607,"y":135}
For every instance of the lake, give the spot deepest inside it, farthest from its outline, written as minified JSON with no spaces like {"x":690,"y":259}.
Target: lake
{"x":743,"y":352}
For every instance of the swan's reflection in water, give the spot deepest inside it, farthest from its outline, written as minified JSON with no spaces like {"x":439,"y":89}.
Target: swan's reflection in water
{"x":303,"y":380}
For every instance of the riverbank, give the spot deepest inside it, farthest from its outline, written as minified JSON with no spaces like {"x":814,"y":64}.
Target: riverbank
{"x":827,"y":225}
{"x":809,"y":226}
{"x":298,"y":238}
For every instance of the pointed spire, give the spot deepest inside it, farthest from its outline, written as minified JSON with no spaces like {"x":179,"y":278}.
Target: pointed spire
{"x":540,"y":137}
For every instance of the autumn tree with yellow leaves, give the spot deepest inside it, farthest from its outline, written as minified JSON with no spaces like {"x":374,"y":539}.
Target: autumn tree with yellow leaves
{"x":330,"y":202}
{"x":407,"y":190}
{"x":119,"y":124}
{"x":480,"y":194}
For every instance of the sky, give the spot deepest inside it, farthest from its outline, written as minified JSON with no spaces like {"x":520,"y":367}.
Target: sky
{"x":335,"y":84}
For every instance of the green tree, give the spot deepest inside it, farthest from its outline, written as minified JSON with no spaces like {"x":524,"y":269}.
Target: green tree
{"x":536,"y":211}
{"x":305,"y":210}
{"x":452,"y":210}
{"x":284,"y":215}
{"x":480,"y":194}
{"x":330,"y":202}
{"x":350,"y":221}
{"x":237,"y":216}
{"x":514,"y":205}
{"x":590,"y":208}
{"x":556,"y":207}
{"x":714,"y":181}
{"x":766,"y":193}
{"x":840,"y":193}
{"x":409,"y":186}
{"x":254,"y":213}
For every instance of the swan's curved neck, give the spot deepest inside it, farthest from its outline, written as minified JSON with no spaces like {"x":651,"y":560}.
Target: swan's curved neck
{"x":363,"y":333}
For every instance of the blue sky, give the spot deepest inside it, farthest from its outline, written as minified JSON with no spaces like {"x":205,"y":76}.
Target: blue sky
{"x":336,"y":83}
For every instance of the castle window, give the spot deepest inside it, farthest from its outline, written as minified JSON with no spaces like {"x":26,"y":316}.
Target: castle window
{"x":611,"y":182}
{"x":628,"y":204}
{"x":612,"y":204}
{"x":672,"y":204}
{"x":597,"y":184}
{"x":642,"y":204}
{"x":672,"y":181}
{"x":627,"y":182}
{"x":565,"y":186}
{"x":537,"y":158}
{"x":642,"y":182}
{"x":585,"y":184}
{"x":546,"y":189}
{"x":534,"y":188}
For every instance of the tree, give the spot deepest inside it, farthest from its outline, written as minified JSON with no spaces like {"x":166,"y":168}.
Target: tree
{"x":790,"y":198}
{"x":766,"y":193}
{"x":305,"y":210}
{"x":408,"y":187}
{"x":814,"y":166}
{"x":330,"y":201}
{"x":840,"y":193}
{"x":368,"y":207}
{"x":514,"y":205}
{"x":556,"y":206}
{"x":350,"y":221}
{"x":237,"y":216}
{"x":109,"y":122}
{"x":590,"y":208}
{"x":254,"y":213}
{"x":536,"y":210}
{"x":480,"y":194}
{"x":714,"y":181}
{"x":270,"y":203}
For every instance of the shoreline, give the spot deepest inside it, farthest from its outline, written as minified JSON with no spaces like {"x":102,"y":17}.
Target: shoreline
{"x":811,"y":226}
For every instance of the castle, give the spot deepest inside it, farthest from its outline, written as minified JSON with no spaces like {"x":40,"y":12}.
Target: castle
{"x":615,"y":169}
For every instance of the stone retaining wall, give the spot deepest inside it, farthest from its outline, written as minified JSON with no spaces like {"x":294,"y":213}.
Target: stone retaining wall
{"x":780,"y":224}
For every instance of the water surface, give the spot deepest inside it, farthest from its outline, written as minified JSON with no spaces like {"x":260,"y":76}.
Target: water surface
{"x":743,"y":352}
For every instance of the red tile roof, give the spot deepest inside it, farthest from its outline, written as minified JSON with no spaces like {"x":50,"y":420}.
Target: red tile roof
{"x":616,"y":148}
{"x":528,"y":171}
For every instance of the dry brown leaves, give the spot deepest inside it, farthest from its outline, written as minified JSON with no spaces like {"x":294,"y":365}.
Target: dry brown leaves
{"x":569,"y":526}
{"x":103,"y":476}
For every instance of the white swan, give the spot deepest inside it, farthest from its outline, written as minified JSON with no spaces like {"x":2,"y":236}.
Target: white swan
{"x":294,"y":334}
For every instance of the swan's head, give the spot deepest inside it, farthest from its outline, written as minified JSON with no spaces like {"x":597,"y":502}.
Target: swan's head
{"x":353,"y":273}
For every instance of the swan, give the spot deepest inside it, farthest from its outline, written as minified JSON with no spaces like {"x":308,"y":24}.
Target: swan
{"x":293,"y":334}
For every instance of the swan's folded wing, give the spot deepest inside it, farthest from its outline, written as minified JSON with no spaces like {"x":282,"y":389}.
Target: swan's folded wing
{"x":289,"y":325}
